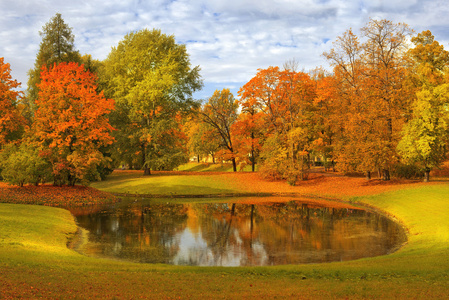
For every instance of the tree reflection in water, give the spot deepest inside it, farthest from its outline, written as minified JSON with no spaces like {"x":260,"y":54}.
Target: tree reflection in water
{"x":235,"y":234}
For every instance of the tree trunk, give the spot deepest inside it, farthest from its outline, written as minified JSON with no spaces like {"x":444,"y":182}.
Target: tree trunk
{"x":253,"y":158}
{"x":427,"y":175}
{"x":385,"y":174}
{"x":368,"y":175}
{"x":234,"y":165}
{"x":146,"y":169}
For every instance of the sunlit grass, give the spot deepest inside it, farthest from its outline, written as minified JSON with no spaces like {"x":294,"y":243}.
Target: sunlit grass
{"x":136,"y":183}
{"x":34,"y":229}
{"x":34,"y":262}
{"x":210,"y":167}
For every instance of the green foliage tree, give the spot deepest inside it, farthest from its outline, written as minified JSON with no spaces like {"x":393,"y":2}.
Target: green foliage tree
{"x":150,"y":77}
{"x":425,"y":137}
{"x":202,"y":139}
{"x":57,"y":46}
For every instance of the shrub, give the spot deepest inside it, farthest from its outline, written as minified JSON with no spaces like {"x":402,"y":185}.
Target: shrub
{"x":23,"y":164}
{"x":407,"y":171}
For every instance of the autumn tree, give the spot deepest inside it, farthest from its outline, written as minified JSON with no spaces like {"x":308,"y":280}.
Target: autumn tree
{"x":71,"y":122}
{"x":11,"y":121}
{"x":425,"y":137}
{"x":325,"y":118}
{"x":220,"y":112}
{"x":385,"y":71}
{"x":248,"y":131}
{"x":203,"y":140}
{"x":57,"y":46}
{"x":285,"y":98}
{"x":350,"y":117}
{"x":374,"y":102}
{"x":150,"y":77}
{"x":90,"y":64}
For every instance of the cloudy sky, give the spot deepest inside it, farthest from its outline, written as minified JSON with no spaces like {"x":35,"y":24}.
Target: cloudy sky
{"x":228,"y":39}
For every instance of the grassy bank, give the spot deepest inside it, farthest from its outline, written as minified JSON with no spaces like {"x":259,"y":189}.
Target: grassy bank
{"x":215,"y":183}
{"x":35,"y":262}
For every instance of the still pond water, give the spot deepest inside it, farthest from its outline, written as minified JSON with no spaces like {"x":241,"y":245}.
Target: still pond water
{"x":235,"y":234}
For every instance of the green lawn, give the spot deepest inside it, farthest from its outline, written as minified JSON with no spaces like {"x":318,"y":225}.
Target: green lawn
{"x":209,"y":167}
{"x":35,"y":262}
{"x":164,"y":185}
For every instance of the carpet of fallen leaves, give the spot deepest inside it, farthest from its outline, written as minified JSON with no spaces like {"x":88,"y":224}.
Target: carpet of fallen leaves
{"x":53,"y":195}
{"x":323,"y":184}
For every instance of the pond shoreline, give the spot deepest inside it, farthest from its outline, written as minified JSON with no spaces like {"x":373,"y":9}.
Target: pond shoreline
{"x":307,"y":223}
{"x":417,"y":270}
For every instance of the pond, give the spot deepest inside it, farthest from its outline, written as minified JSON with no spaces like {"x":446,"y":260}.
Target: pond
{"x":235,"y":233}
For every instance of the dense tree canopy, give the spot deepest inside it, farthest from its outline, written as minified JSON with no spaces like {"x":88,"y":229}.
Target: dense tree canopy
{"x":425,"y":137}
{"x":11,"y":120}
{"x":71,"y":121}
{"x":371,"y":75}
{"x":384,"y":107}
{"x":150,"y":77}
{"x":285,"y":98}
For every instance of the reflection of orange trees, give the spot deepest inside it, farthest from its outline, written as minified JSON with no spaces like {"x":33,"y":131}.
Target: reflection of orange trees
{"x":192,"y":220}
{"x":157,"y":226}
{"x":294,"y":232}
{"x":240,"y":234}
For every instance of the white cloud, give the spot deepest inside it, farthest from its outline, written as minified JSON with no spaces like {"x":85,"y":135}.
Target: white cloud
{"x":229,"y":39}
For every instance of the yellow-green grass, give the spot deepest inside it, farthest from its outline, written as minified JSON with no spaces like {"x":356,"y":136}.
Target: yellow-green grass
{"x":35,"y":262}
{"x":137,"y":183}
{"x":210,"y":167}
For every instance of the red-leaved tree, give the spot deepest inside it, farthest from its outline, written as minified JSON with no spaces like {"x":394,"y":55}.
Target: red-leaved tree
{"x":10,"y":118}
{"x":71,"y":122}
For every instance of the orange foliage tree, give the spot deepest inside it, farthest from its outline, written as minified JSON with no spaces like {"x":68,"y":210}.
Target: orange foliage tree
{"x":350,"y":117}
{"x":71,"y":122}
{"x":324,"y":117}
{"x":248,"y":133}
{"x":10,"y":119}
{"x":286,"y":100}
{"x":372,"y":95}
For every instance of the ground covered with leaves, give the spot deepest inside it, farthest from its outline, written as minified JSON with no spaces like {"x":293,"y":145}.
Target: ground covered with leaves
{"x":50,"y":195}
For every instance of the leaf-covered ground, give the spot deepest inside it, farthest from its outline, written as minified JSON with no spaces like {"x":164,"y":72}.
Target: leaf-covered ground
{"x":50,"y":195}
